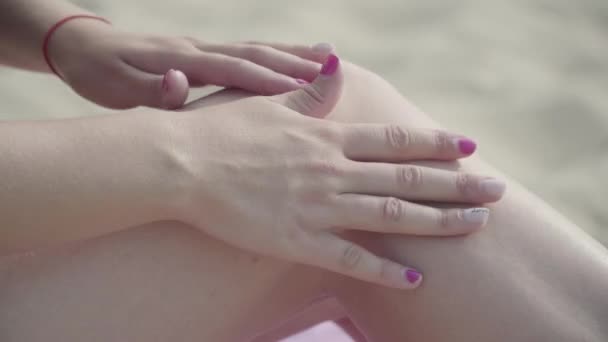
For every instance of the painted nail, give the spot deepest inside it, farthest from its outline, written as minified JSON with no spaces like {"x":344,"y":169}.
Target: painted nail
{"x":412,"y":276}
{"x":465,"y":146}
{"x":476,"y":215}
{"x":301,"y":81}
{"x":331,"y":65}
{"x":492,"y":187}
{"x":322,"y":48}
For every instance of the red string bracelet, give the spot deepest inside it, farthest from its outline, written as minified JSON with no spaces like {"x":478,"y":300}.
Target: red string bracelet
{"x":49,"y":34}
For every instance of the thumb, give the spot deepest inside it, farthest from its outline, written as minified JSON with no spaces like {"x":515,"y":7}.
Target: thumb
{"x":318,"y":98}
{"x":174,"y":89}
{"x":145,"y":89}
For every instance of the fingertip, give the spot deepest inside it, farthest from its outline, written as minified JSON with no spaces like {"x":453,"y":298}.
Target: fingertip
{"x":331,"y":65}
{"x":323,"y":48}
{"x":493,"y":188}
{"x":175,"y":89}
{"x":412,"y":278}
{"x":475,"y":218}
{"x":465,"y":146}
{"x":399,"y":276}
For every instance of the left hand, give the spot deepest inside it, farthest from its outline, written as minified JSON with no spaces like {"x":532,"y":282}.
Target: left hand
{"x":292,"y":184}
{"x":118,"y":69}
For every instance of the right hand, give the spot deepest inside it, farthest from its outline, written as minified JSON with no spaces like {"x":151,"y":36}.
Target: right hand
{"x":263,"y":177}
{"x":119,"y":69}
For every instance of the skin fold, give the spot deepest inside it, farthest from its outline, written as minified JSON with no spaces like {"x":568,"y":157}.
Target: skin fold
{"x":529,"y":275}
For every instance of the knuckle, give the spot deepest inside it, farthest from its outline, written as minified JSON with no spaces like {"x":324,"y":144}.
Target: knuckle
{"x":238,"y":64}
{"x":255,"y":52}
{"x":291,"y":236}
{"x":385,"y":269}
{"x":331,"y":133}
{"x":351,"y":257}
{"x":409,"y":176}
{"x":441,"y":141}
{"x":191,"y":40}
{"x":327,"y":167}
{"x":182,"y":45}
{"x":158,"y":40}
{"x":398,"y":137}
{"x":306,"y":99}
{"x":313,"y":93}
{"x":463,"y":183}
{"x":298,"y":102}
{"x":444,"y":219}
{"x":393,"y":209}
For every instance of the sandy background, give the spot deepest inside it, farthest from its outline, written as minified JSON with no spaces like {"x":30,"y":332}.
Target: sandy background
{"x":529,"y":79}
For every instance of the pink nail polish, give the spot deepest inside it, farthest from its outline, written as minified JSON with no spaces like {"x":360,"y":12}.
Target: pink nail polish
{"x":467,"y":146}
{"x":412,"y":276}
{"x":331,"y":65}
{"x":301,"y":81}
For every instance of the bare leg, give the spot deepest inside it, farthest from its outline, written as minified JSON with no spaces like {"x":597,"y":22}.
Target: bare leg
{"x":529,"y":276}
{"x":160,"y":282}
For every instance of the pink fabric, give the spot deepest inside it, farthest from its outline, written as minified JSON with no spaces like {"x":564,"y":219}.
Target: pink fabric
{"x":322,"y":332}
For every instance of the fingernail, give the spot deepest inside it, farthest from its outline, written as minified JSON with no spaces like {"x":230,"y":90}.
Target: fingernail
{"x":322,"y":48}
{"x":412,"y":276}
{"x":331,"y":65}
{"x":301,"y":81}
{"x":476,"y":215}
{"x":464,"y":145}
{"x":165,"y":84}
{"x":493,"y":187}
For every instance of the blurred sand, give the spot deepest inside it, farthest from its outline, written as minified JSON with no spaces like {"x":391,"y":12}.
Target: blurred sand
{"x":528,"y":78}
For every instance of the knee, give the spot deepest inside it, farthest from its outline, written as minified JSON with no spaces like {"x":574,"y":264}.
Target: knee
{"x":368,"y":97}
{"x":356,"y":74}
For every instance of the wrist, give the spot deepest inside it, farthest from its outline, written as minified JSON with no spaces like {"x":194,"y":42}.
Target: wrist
{"x":169,"y":158}
{"x":77,"y":42}
{"x":133,"y":156}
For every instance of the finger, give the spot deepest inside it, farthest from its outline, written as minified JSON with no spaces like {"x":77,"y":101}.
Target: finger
{"x":174,"y":89}
{"x":420,"y":183}
{"x":344,"y":257}
{"x":392,"y":215}
{"x":318,"y":98}
{"x":139,"y":88}
{"x":279,"y":61}
{"x":228,"y":71}
{"x":317,"y":53}
{"x":397,"y":143}
{"x":169,"y":91}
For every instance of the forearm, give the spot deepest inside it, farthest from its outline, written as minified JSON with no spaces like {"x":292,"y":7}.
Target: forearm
{"x":23,"y":24}
{"x":65,"y":180}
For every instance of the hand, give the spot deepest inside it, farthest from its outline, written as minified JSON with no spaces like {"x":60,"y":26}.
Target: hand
{"x":263,"y":177}
{"x":117,"y":69}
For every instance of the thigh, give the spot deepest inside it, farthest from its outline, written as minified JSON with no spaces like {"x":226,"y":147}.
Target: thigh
{"x":160,"y":282}
{"x":529,"y":276}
